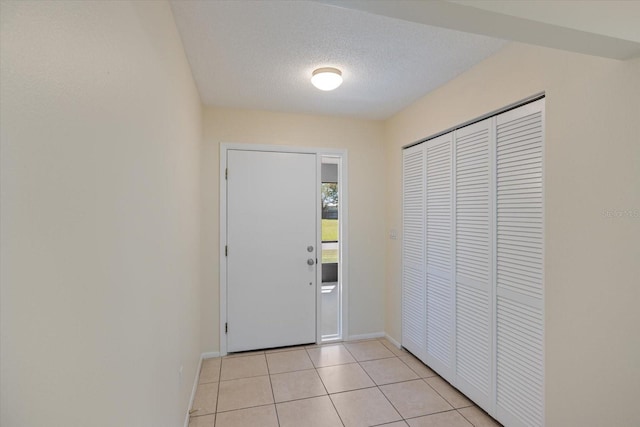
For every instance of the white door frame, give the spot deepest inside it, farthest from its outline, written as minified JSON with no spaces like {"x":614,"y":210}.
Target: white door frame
{"x":319,"y":152}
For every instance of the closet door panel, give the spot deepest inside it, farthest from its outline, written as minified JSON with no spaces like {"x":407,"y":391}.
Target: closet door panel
{"x":439,"y":254}
{"x":414,"y":300}
{"x":519,"y":265}
{"x":473,"y":261}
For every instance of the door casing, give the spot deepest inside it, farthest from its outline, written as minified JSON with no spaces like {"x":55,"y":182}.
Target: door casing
{"x":319,"y":152}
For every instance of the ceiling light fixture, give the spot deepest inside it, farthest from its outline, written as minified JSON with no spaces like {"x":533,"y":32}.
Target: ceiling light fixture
{"x":326,"y":78}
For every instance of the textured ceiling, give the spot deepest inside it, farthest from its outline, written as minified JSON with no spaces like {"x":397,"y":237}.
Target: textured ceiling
{"x":606,"y":28}
{"x":260,"y":55}
{"x":613,"y":18}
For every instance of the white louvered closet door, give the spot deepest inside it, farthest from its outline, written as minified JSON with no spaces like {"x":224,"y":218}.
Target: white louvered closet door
{"x":519,"y":273}
{"x":414,"y":298}
{"x":440,"y":289}
{"x":474,"y":229}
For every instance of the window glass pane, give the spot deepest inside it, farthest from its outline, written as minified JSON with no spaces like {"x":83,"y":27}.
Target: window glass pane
{"x":331,"y":289}
{"x":329,"y":222}
{"x":329,"y":252}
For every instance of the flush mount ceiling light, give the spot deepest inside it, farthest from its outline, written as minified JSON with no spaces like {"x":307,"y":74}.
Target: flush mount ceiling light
{"x":326,"y":78}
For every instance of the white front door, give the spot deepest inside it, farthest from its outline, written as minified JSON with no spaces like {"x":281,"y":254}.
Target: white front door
{"x":271,"y":258}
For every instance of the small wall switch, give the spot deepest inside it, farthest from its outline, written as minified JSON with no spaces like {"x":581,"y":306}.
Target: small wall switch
{"x":393,"y":234}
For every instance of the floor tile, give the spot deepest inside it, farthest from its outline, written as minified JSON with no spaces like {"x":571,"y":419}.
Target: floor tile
{"x":243,"y":367}
{"x":368,"y":350}
{"x":205,"y":399}
{"x":244,"y":393}
{"x":443,"y":419}
{"x":415,"y":398}
{"x":392,"y":347}
{"x":385,"y":371}
{"x":329,"y":355}
{"x":365,"y":407}
{"x":315,"y":412}
{"x":396,"y":424}
{"x":210,"y":371}
{"x":417,"y":366}
{"x":451,"y":395}
{"x":263,"y":416}
{"x":296,"y":385}
{"x":288,"y":361}
{"x":203,"y":421}
{"x":344,"y":378}
{"x":478,"y":417}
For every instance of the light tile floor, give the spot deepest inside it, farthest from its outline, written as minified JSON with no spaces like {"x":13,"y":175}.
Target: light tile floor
{"x":364,"y":383}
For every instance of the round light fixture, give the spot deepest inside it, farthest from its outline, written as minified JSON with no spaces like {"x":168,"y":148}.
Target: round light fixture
{"x":326,"y":78}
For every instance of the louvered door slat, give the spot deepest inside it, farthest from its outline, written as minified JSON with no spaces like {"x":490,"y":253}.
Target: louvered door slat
{"x":519,"y":261}
{"x":473,"y":243}
{"x":414,"y":309}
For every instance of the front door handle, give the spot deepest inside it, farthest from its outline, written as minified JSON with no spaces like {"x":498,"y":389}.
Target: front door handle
{"x":311,"y":261}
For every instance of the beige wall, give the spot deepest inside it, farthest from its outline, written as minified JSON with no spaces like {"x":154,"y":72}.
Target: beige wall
{"x":592,"y":160}
{"x":363,"y":140}
{"x":101,"y":128}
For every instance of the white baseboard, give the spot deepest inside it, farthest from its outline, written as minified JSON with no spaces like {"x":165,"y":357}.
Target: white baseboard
{"x":193,"y":391}
{"x":203,"y":356}
{"x":392,"y":341}
{"x":366,"y":336}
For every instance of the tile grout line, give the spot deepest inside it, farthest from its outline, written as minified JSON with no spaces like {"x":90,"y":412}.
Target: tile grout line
{"x":378,"y":387}
{"x":468,"y":420}
{"x":292,"y":400}
{"x":445,"y":399}
{"x":246,"y":378}
{"x":434,"y":413}
{"x":375,"y":385}
{"x":325,"y":389}
{"x":316,"y":370}
{"x":480,"y":409}
{"x":215,"y":410}
{"x":215,"y":421}
{"x":243,"y":408}
{"x":434,"y":374}
{"x":419,"y":378}
{"x":349,"y":351}
{"x":275,"y":407}
{"x":433,"y":388}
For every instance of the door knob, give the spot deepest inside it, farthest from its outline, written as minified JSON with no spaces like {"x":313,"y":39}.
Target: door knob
{"x":309,"y":248}
{"x":311,"y":261}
